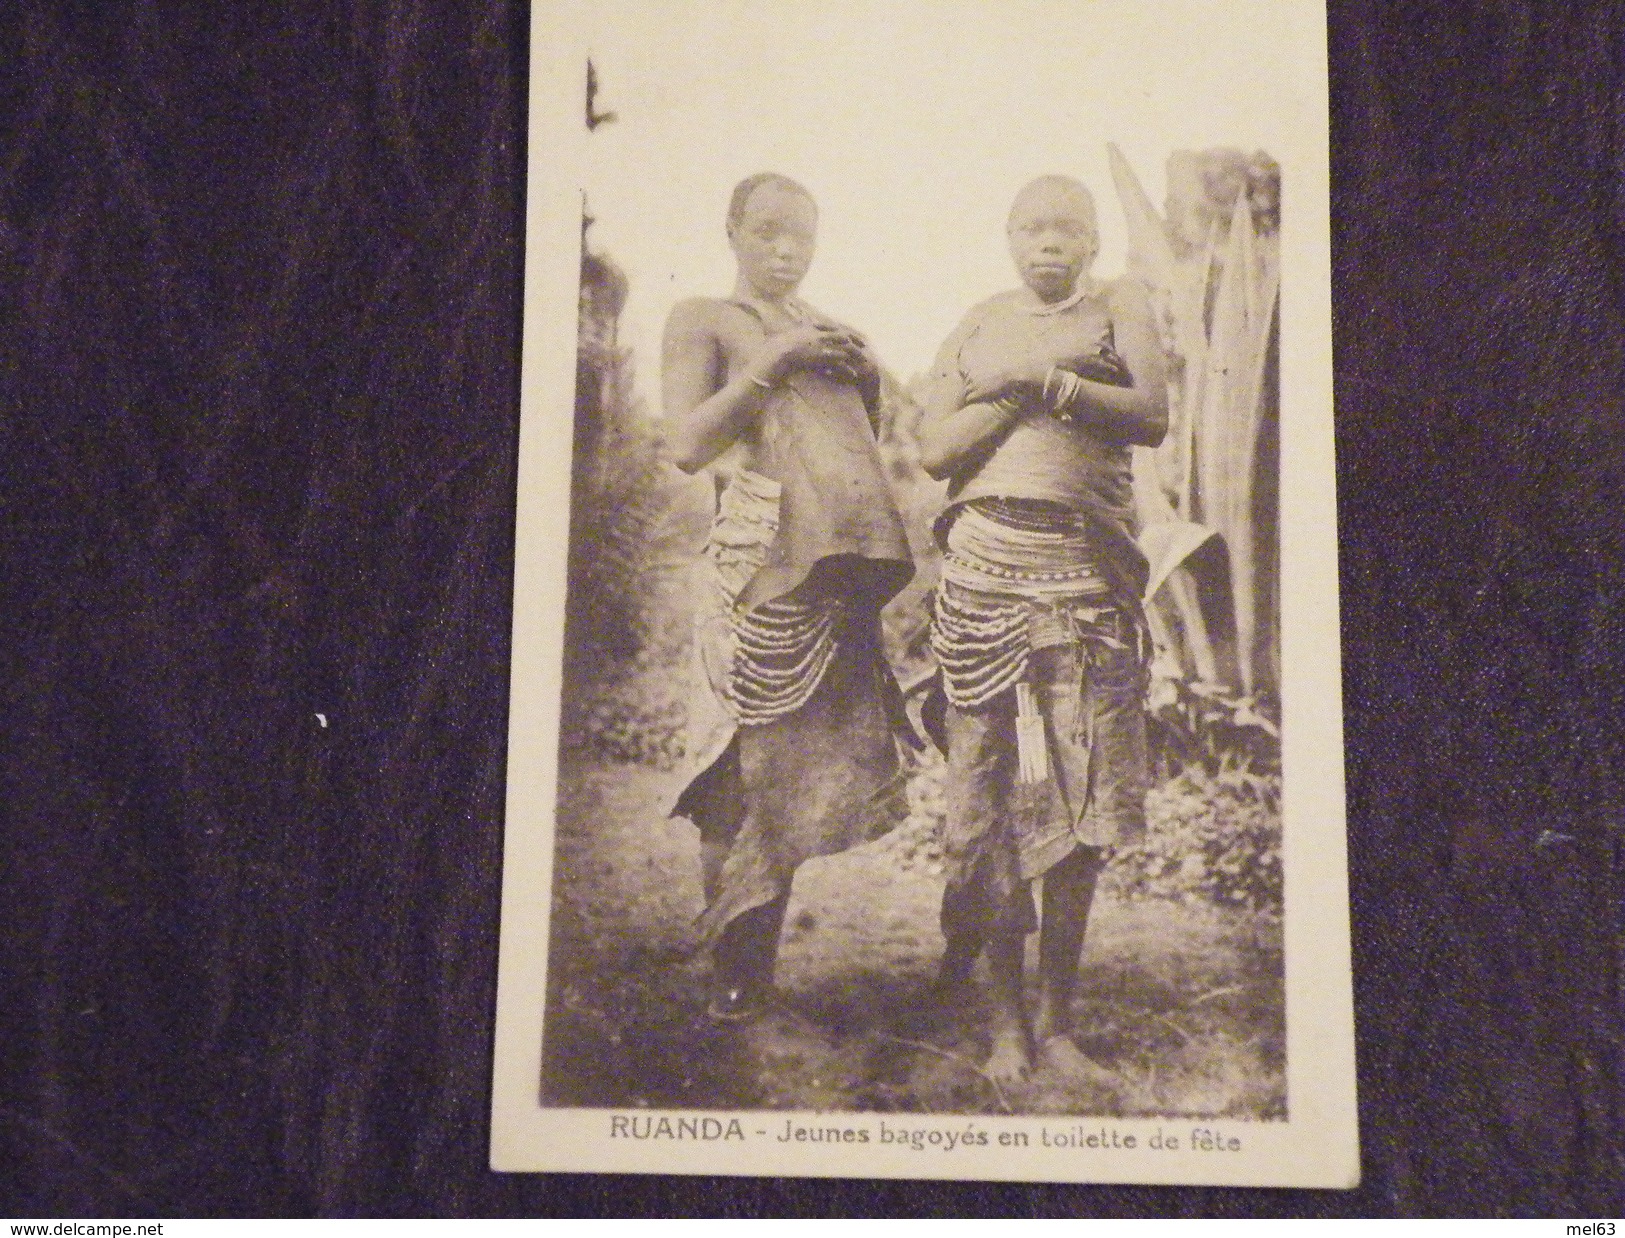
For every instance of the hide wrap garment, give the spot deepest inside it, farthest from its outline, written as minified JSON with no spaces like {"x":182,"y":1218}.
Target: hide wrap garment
{"x":1041,"y":585}
{"x":805,"y":548}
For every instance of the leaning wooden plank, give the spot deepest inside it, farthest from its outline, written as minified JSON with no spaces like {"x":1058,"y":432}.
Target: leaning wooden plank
{"x":1223,"y":479}
{"x":1252,"y":405}
{"x":1178,"y":292}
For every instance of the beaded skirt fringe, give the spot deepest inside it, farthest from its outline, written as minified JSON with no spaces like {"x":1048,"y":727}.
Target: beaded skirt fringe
{"x":1014,"y":578}
{"x":782,"y":650}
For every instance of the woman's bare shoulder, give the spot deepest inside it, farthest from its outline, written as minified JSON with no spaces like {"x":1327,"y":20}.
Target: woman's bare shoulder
{"x":695,"y":312}
{"x":988,"y":307}
{"x":717,"y":317}
{"x":698,"y":322}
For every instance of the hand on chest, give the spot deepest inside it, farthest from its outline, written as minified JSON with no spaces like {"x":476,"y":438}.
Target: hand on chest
{"x":1020,"y":341}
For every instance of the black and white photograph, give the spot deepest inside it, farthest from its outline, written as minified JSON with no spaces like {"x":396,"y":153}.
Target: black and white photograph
{"x":924,"y":753}
{"x":850,"y":609}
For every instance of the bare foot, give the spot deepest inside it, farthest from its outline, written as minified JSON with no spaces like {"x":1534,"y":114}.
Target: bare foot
{"x":1060,"y":1055}
{"x":1009,"y":1062}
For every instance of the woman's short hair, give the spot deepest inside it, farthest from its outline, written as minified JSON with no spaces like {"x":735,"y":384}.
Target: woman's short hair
{"x":748,"y":186}
{"x":1069,"y":187}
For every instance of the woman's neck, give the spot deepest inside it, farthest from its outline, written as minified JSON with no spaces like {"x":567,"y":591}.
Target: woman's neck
{"x":1086,"y":286}
{"x":744,"y":290}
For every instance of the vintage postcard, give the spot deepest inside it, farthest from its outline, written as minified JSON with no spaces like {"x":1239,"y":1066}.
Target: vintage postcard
{"x":926,"y":751}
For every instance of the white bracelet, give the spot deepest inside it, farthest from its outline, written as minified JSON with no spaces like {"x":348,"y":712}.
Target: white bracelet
{"x":1068,"y":387}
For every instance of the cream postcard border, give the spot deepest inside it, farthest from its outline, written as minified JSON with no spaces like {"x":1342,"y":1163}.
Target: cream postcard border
{"x":1317,"y":1146}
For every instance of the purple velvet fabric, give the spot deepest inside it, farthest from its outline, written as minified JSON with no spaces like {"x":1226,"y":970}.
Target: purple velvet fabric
{"x":259,"y":323}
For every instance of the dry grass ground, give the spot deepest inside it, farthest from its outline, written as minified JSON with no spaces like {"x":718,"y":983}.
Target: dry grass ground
{"x":1181,"y":1007}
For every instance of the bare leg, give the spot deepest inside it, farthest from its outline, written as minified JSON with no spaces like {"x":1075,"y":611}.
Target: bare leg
{"x":743,"y":961}
{"x":951,"y":991}
{"x":1011,"y":1058}
{"x":712,"y":857}
{"x":1069,"y":889}
{"x":958,"y":959}
{"x":980,"y":756}
{"x":964,"y":930}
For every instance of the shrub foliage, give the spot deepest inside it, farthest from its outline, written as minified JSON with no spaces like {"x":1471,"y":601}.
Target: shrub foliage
{"x":616,"y":495}
{"x":1214,"y":837}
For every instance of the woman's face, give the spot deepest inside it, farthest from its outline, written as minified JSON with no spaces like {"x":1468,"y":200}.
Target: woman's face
{"x":774,"y":239}
{"x":1052,"y":239}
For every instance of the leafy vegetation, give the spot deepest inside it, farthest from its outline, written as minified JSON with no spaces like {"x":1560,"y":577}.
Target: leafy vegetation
{"x":636,"y":720}
{"x":1200,"y":724}
{"x":1213,"y":837}
{"x":617,"y":498}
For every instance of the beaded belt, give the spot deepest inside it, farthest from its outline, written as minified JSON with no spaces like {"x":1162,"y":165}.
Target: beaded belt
{"x":1016,"y":578}
{"x":782,"y":650}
